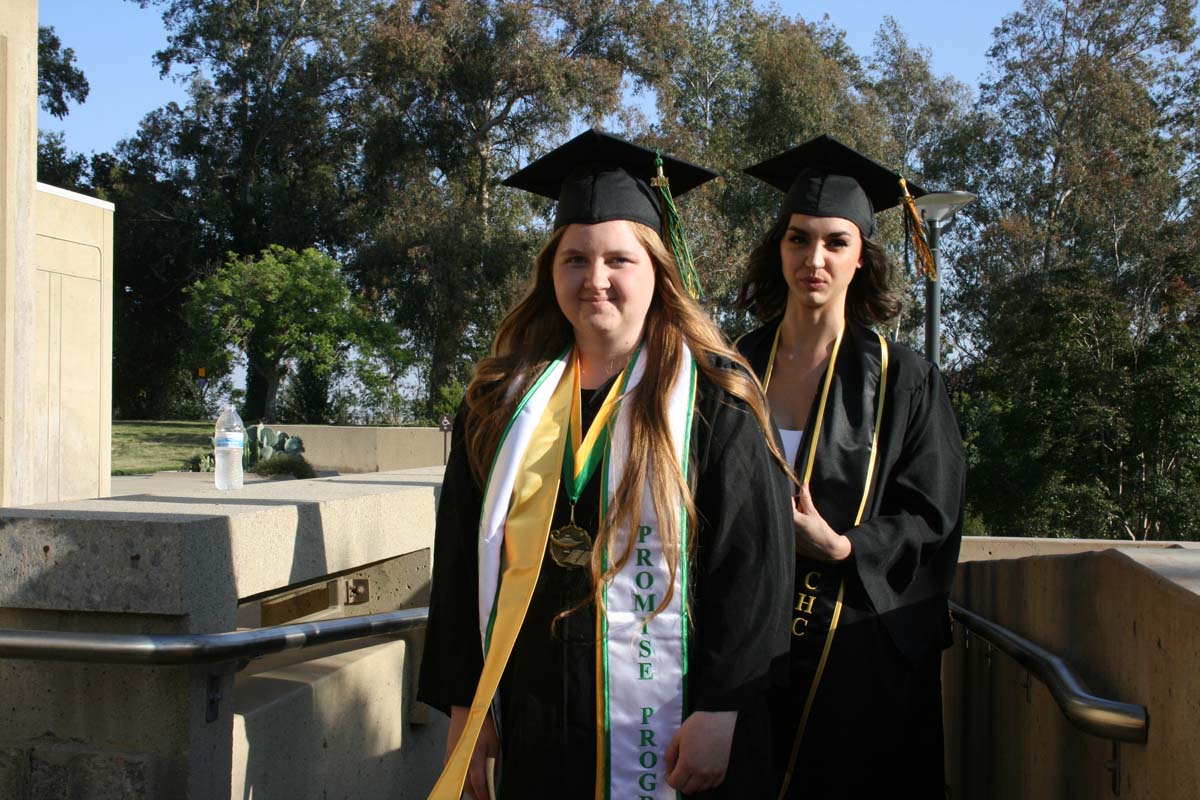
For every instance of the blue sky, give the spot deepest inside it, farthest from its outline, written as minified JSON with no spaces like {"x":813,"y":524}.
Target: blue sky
{"x":115,"y":40}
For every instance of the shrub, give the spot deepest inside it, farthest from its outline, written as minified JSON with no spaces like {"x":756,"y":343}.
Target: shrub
{"x":285,"y":464}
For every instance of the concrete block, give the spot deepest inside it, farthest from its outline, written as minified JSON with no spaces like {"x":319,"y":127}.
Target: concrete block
{"x":347,"y":735}
{"x":191,"y":550}
{"x":349,"y":448}
{"x":14,"y":772}
{"x":57,"y":770}
{"x":64,"y":374}
{"x":181,"y":559}
{"x":109,"y":776}
{"x":1127,"y":619}
{"x":48,"y":778}
{"x":21,"y":409}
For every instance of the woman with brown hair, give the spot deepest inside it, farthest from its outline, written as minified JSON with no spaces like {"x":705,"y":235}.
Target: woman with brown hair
{"x":868,"y":427}
{"x":612,"y":551}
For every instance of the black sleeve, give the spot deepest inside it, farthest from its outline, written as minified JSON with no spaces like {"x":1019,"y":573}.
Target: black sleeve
{"x":905,"y":554}
{"x":744,"y":557}
{"x":453,"y":654}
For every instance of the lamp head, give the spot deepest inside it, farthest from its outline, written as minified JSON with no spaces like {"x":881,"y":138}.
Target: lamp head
{"x":938,"y":207}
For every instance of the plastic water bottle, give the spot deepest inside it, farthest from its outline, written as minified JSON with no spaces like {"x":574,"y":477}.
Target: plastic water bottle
{"x":228,"y":443}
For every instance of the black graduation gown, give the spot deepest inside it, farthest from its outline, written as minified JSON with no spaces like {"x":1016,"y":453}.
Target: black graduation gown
{"x":741,"y":580}
{"x":875,"y":726}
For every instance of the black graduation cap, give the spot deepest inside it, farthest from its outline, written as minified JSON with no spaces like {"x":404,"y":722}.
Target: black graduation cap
{"x":598,"y":177}
{"x":825,"y":178}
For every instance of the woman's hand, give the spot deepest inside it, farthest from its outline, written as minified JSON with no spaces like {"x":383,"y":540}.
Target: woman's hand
{"x":698,"y":754}
{"x":486,"y":746}
{"x":814,"y":538}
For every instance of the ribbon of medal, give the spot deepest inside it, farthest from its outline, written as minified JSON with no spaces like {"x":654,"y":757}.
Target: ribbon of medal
{"x":571,"y":545}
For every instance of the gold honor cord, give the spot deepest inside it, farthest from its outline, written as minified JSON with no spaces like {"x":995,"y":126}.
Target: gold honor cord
{"x":816,"y":432}
{"x":883,"y":368}
{"x":837,"y":606}
{"x":603,"y":723}
{"x":526,"y":530}
{"x":771,"y":359}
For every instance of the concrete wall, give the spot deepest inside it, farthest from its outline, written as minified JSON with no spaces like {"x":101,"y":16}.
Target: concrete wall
{"x":1127,"y":618}
{"x":55,"y":303}
{"x":73,"y":286}
{"x":18,"y":168}
{"x":364,"y":449}
{"x":186,"y":558}
{"x":353,"y":726}
{"x":343,"y":725}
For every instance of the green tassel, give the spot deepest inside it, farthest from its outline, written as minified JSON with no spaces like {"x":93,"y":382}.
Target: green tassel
{"x":679,"y":245}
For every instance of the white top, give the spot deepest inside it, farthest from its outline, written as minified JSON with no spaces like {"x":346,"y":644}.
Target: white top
{"x":791,"y":443}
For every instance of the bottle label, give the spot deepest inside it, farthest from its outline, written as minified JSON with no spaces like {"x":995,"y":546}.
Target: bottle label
{"x":230,"y":439}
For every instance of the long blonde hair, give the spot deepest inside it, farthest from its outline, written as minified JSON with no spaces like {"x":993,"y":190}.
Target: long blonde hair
{"x":535,"y":331}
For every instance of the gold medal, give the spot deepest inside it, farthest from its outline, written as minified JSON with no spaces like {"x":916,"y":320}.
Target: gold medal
{"x":571,"y":545}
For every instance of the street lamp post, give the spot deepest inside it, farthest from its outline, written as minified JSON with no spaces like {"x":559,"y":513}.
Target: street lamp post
{"x":937,"y":209}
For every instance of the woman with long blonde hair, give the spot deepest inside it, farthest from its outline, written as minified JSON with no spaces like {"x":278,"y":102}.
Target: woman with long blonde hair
{"x":613,"y":548}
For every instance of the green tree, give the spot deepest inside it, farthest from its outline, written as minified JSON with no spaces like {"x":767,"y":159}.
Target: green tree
{"x":919,"y":108}
{"x":58,"y":166}
{"x":161,"y":245}
{"x":461,"y":93}
{"x":921,"y":113}
{"x":734,"y":84}
{"x":269,"y":137}
{"x":1161,"y":466}
{"x":285,"y":308}
{"x":1073,"y":286}
{"x":59,"y":80}
{"x":698,"y":58}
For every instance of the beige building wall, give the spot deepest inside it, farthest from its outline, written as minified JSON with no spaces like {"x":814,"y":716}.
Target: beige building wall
{"x":72,"y":346}
{"x":18,"y":166}
{"x":55,"y":303}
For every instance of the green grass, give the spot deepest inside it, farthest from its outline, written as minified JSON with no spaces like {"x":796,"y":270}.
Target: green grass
{"x":142,"y":447}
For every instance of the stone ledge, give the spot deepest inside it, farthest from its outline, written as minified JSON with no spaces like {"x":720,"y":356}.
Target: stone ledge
{"x":191,"y":550}
{"x":987,"y":548}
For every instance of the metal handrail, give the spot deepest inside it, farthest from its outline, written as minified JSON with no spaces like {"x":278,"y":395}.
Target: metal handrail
{"x":203,"y":648}
{"x":1099,"y":716}
{"x":1090,"y":713}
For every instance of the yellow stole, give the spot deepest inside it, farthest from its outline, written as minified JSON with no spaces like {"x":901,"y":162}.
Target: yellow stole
{"x":526,"y":531}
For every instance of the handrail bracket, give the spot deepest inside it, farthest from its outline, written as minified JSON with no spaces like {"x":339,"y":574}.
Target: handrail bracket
{"x":1113,"y":765}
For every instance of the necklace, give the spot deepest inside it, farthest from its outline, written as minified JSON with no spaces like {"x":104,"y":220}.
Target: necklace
{"x":571,"y":545}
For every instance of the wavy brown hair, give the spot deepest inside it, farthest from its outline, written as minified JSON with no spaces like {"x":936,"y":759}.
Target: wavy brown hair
{"x":870,"y":300}
{"x":535,"y":331}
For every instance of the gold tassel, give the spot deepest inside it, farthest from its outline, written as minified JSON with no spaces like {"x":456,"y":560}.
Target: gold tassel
{"x":912,"y":218}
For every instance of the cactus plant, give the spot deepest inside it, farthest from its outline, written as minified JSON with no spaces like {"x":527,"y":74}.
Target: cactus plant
{"x":262,"y":443}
